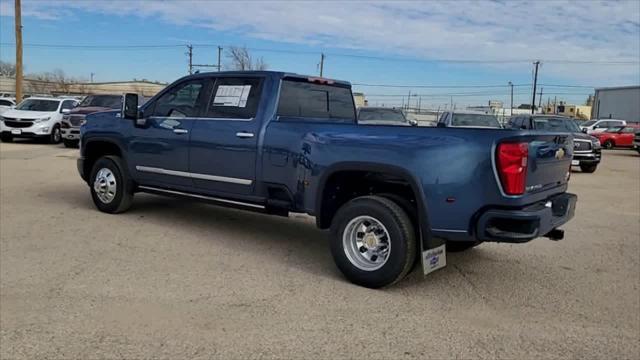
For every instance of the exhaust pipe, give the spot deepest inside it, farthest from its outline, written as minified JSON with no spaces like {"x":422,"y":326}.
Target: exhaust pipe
{"x":555,"y":234}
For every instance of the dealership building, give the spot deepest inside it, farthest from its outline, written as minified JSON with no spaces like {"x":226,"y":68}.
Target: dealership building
{"x":617,"y":103}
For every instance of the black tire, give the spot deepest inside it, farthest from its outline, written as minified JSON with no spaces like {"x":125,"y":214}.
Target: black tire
{"x":459,"y":246}
{"x":588,"y":168}
{"x":56,"y":135}
{"x":608,"y":144}
{"x":123,"y":185}
{"x":6,"y":138}
{"x":402,"y":241}
{"x":70,"y":143}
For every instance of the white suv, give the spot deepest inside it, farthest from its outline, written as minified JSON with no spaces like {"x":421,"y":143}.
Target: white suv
{"x":35,"y":117}
{"x":598,"y":126}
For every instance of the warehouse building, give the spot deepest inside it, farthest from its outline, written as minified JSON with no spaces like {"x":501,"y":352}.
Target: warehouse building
{"x":617,"y":103}
{"x":39,"y":87}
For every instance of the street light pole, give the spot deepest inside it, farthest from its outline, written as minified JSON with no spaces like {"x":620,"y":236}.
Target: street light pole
{"x":511,"y":86}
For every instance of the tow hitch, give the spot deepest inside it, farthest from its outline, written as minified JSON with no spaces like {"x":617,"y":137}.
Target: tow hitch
{"x":555,"y":234}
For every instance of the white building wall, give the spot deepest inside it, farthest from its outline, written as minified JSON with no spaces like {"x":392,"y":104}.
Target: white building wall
{"x":617,"y":103}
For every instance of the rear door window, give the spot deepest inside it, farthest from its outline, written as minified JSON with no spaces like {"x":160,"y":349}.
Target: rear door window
{"x":316,"y":101}
{"x":235,"y":98}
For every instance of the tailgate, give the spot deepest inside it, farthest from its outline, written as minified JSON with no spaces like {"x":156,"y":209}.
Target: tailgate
{"x":549,"y":161}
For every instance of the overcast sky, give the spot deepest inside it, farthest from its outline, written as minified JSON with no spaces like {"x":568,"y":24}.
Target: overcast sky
{"x":396,"y":42}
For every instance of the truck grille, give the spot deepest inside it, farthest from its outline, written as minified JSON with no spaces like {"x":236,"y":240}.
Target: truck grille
{"x":581,"y":145}
{"x":17,"y":124}
{"x":76,"y":120}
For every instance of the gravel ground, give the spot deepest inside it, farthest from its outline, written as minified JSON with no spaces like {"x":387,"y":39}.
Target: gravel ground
{"x":177,"y":279}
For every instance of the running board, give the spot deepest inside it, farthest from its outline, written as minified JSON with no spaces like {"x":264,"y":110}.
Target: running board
{"x":215,"y":200}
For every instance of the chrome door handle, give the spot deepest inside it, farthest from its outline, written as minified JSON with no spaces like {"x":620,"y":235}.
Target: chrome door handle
{"x":244,"y":135}
{"x":180,"y":131}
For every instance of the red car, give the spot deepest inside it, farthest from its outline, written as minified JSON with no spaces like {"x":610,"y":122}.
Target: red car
{"x":621,"y":136}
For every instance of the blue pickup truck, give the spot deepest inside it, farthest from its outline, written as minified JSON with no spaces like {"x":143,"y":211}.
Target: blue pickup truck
{"x":279,"y":142}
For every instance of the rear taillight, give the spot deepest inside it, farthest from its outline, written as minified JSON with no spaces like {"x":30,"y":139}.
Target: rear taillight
{"x":512,"y":159}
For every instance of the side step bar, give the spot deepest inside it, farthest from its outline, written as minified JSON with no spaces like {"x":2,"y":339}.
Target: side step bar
{"x":215,"y":200}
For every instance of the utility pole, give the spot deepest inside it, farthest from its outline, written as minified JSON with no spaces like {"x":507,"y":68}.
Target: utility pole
{"x":540,"y":100}
{"x":451,"y":103}
{"x":18,"y":24}
{"x":190,"y":54}
{"x":408,"y":99}
{"x":219,"y":56}
{"x":555,"y":104}
{"x":419,"y":104}
{"x":92,"y":76}
{"x":511,"y":86}
{"x":535,"y":83}
{"x":321,"y":63}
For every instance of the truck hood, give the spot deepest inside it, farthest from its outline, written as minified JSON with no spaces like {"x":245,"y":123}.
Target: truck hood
{"x":27,"y":114}
{"x":88,"y":110}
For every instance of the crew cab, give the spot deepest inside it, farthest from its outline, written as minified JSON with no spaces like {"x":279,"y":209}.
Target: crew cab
{"x":73,"y":118}
{"x":278,"y":143}
{"x":35,"y":117}
{"x":587,"y":151}
{"x":621,"y":136}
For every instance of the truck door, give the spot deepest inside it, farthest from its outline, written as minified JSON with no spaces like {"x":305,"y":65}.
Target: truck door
{"x":224,"y":139}
{"x":159,"y":150}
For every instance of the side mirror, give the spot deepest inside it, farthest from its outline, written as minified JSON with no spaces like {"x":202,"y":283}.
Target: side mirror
{"x":441,"y":125}
{"x":65,"y":111}
{"x":584,"y":130}
{"x":130,"y":107}
{"x":413,"y":122}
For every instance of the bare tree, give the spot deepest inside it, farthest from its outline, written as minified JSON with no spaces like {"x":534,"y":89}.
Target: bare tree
{"x":241,"y":59}
{"x":7,"y":69}
{"x":55,"y":81}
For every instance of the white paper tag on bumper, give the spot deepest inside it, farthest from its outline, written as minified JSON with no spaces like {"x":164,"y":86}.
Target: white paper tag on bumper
{"x":434,"y":259}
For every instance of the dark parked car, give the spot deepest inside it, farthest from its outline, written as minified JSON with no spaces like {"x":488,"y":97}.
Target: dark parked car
{"x":279,"y":142}
{"x":586,"y":148}
{"x":468,"y":119}
{"x":383,"y":116}
{"x":74,"y":118}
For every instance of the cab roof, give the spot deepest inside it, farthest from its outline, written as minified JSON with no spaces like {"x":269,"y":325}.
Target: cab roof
{"x":264,"y":73}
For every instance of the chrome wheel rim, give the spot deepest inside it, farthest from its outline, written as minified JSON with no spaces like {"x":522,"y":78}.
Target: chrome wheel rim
{"x":105,"y":185}
{"x":366,"y":243}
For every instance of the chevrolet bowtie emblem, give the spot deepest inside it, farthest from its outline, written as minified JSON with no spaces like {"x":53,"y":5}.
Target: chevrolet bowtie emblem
{"x":560,"y":154}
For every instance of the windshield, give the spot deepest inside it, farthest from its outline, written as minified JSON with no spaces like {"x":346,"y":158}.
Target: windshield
{"x":555,"y":124}
{"x":475,"y":120}
{"x":381,"y":114}
{"x":588,"y":123}
{"x":106,"y":101}
{"x":38,"y":105}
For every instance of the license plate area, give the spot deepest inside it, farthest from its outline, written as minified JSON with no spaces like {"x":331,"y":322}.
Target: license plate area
{"x":575,"y":162}
{"x":16,"y":131}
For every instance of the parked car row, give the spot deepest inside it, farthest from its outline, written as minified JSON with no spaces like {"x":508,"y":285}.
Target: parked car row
{"x":53,"y":119}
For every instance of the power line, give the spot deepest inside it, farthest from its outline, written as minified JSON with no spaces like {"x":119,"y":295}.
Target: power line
{"x":361,"y":56}
{"x":435,"y":86}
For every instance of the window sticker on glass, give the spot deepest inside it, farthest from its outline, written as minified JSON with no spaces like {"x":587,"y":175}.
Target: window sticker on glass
{"x":232,"y":95}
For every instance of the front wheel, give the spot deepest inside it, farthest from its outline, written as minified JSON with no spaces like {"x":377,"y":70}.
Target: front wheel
{"x":608,"y":144}
{"x":56,"y":135}
{"x":588,"y":168}
{"x":6,"y":138}
{"x":373,"y":241}
{"x":111,"y":188}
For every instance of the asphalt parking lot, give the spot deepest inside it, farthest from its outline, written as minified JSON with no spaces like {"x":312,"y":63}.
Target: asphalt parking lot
{"x":177,"y":279}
